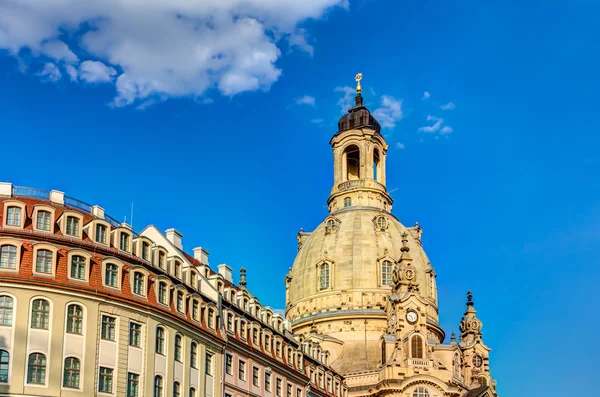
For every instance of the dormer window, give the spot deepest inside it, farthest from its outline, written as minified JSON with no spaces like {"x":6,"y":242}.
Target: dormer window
{"x":267,"y":342}
{"x":161,"y":260}
{"x":243,"y":330}
{"x":211,"y":320}
{"x":138,"y":283}
{"x":145,"y":250}
{"x":43,"y":261}
{"x":111,"y":274}
{"x":100,"y":234}
{"x":230,"y":322}
{"x":278,"y":348}
{"x":194,"y":280}
{"x":162,"y":292}
{"x":13,"y":217}
{"x":180,"y":301}
{"x":177,"y":269}
{"x":124,"y":242}
{"x":195,"y":309}
{"x":43,"y":220}
{"x":72,"y":228}
{"x":331,"y":226}
{"x":254,"y":336}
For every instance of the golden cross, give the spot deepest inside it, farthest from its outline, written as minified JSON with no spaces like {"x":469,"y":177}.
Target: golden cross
{"x":358,"y":78}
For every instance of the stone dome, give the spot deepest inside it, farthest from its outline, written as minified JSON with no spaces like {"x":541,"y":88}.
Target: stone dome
{"x":355,"y":249}
{"x":358,"y":116}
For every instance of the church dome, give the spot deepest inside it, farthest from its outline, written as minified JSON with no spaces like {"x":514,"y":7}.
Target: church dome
{"x":354,"y":243}
{"x":358,"y":116}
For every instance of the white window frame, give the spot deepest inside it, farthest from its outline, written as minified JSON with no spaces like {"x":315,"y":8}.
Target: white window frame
{"x":18,"y":204}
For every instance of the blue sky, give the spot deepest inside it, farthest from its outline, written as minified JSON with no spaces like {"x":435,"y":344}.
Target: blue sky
{"x":232,"y":149}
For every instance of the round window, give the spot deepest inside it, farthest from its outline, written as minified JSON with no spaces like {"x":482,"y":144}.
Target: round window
{"x":477,"y":361}
{"x":381,"y":222}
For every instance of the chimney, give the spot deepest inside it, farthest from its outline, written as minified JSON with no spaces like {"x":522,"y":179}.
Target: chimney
{"x":201,"y":255}
{"x":98,"y":212}
{"x":5,"y":189}
{"x":225,"y":271}
{"x":174,"y":238}
{"x":57,"y":197}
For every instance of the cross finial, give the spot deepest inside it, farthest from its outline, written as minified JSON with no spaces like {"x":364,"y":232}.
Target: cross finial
{"x":358,"y":78}
{"x":243,"y":277}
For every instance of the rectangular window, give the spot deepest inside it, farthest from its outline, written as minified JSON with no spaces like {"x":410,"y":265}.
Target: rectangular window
{"x":242,"y":370}
{"x":180,"y":301}
{"x":8,"y":257}
{"x":43,"y":220}
{"x":161,"y":260}
{"x":78,"y":267}
{"x":255,"y":376}
{"x":255,"y":336}
{"x":13,"y":216}
{"x":278,"y":387}
{"x":195,"y":310}
{"x":267,"y":342}
{"x":267,"y":382}
{"x":108,"y":327}
{"x":289,"y":390}
{"x":133,"y":381}
{"x":135,"y":334}
{"x":230,"y":322}
{"x":228,"y":364}
{"x":124,"y":243}
{"x":111,"y":275}
{"x":298,"y":392}
{"x":138,"y":284}
{"x":178,"y":269}
{"x":105,"y":382}
{"x":145,"y":249}
{"x":101,"y":234}
{"x":72,"y":226}
{"x":243,"y":330}
{"x":43,"y":261}
{"x":208,"y":364}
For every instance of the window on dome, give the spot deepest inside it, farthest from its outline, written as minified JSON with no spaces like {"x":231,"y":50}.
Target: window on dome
{"x":420,"y":392}
{"x":331,"y":226}
{"x":381,"y":223}
{"x":386,"y":273}
{"x":324,"y":276}
{"x":347,"y":202}
{"x":417,"y":347}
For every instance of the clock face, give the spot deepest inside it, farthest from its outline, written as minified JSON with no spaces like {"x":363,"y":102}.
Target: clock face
{"x":411,"y":317}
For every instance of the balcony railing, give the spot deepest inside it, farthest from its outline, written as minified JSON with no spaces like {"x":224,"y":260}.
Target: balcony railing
{"x":360,"y":183}
{"x":418,"y":362}
{"x":24,"y":191}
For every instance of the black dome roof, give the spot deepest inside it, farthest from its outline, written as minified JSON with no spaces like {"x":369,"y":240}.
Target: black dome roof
{"x":358,"y":116}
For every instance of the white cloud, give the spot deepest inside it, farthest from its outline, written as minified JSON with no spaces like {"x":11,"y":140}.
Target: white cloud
{"x":297,"y":39}
{"x":172,"y":48}
{"x":50,"y":72}
{"x":96,"y":72}
{"x":317,"y":121}
{"x":399,"y":145}
{"x":390,"y":111}
{"x":448,"y":106}
{"x":426,"y":95}
{"x":446,"y":130}
{"x":432,"y":128}
{"x":72,"y":72}
{"x":347,"y":101}
{"x":306,"y":100}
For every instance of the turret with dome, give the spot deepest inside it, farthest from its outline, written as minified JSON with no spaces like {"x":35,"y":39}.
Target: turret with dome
{"x":360,"y":273}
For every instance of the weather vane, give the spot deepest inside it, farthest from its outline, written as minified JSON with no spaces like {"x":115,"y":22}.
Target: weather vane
{"x":358,"y":78}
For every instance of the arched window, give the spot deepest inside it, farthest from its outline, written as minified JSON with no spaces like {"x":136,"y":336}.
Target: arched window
{"x":40,"y":314}
{"x":36,"y":369}
{"x":352,"y":156}
{"x":331,"y":226}
{"x":211,"y":320}
{"x":111,"y":275}
{"x":176,"y":389}
{"x":192,"y":392}
{"x":416,"y":347}
{"x":161,"y":260}
{"x":145,"y":250}
{"x":162,"y":293}
{"x":178,"y":348}
{"x":8,"y":257}
{"x":386,"y":273}
{"x":180,"y":301}
{"x":158,"y":386}
{"x":456,"y":363}
{"x":71,"y":372}
{"x":6,"y":310}
{"x":178,"y":269}
{"x":43,"y":220}
{"x":421,"y":392}
{"x":376,"y":169}
{"x":72,"y":226}
{"x":138,"y":283}
{"x":4,"y":362}
{"x":75,"y":319}
{"x":43,"y":261}
{"x":160,"y":340}
{"x":347,"y":202}
{"x":194,"y":355}
{"x":78,"y":267}
{"x":324,"y":275}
